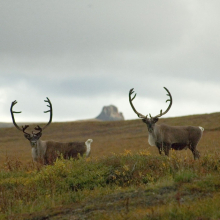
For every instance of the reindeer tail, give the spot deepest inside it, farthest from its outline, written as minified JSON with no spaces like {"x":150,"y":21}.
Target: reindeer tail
{"x":202,"y":129}
{"x":89,"y":141}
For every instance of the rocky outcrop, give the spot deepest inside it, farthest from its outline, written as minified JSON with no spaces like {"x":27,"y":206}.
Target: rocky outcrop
{"x":110,"y":113}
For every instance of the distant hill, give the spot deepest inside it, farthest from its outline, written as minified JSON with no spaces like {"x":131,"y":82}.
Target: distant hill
{"x":6,"y":124}
{"x":110,"y":113}
{"x":10,"y":124}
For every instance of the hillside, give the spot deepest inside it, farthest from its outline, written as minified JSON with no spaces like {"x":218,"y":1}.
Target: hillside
{"x":6,"y":124}
{"x":124,"y":178}
{"x":109,"y":137}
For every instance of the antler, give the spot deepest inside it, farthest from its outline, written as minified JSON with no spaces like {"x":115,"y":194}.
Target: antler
{"x":24,"y":128}
{"x":38,"y":128}
{"x":12,"y":115}
{"x":130,"y":100}
{"x":159,"y":115}
{"x":168,"y":100}
{"x":51,"y":113}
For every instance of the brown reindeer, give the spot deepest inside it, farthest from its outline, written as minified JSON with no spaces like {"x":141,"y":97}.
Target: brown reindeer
{"x":166,"y":137}
{"x":46,"y":152}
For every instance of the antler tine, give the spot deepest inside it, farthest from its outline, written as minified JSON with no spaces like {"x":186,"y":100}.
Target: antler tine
{"x":24,"y":128}
{"x":130,"y":100}
{"x":168,"y":100}
{"x":38,"y":128}
{"x":50,"y":110}
{"x":12,"y":115}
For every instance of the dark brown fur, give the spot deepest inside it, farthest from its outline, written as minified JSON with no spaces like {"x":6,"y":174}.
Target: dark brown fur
{"x":67,"y":150}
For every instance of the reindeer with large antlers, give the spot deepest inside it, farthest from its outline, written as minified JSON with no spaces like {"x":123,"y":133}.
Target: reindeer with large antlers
{"x":166,"y":137}
{"x":46,"y":152}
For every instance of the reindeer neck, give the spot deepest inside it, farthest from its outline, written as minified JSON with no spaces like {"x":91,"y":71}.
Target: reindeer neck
{"x":152,"y":134}
{"x":38,"y":151}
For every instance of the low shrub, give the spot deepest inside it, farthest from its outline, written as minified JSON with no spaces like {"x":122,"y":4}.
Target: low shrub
{"x":67,"y":181}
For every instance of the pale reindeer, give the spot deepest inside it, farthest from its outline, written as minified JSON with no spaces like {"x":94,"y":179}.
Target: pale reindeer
{"x":46,"y":152}
{"x":166,"y":137}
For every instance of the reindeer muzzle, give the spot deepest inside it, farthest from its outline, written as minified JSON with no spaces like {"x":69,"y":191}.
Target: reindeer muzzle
{"x":33,"y":143}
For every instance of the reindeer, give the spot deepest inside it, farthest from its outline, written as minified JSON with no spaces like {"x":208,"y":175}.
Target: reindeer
{"x":166,"y":137}
{"x":46,"y":152}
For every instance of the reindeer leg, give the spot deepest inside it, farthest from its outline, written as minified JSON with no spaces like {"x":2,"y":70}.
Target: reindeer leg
{"x":195,"y":152}
{"x":45,"y":161}
{"x":159,"y":147}
{"x":166,"y":149}
{"x":160,"y":150}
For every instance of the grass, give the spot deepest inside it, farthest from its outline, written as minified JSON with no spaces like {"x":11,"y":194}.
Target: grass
{"x":133,"y":185}
{"x":124,"y":178}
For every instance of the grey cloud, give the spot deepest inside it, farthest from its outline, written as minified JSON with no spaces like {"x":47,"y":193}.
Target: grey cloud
{"x":96,"y":51}
{"x":57,"y":27}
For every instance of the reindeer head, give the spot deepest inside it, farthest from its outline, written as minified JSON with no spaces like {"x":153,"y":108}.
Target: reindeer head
{"x":34,"y":137}
{"x":150,"y":122}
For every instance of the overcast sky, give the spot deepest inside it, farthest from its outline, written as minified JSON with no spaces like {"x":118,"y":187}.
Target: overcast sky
{"x":87,"y":54}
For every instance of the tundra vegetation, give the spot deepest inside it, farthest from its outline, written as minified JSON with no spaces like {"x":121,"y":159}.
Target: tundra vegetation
{"x":124,"y":177}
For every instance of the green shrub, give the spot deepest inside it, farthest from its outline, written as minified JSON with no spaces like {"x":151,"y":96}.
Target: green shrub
{"x":70,"y":181}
